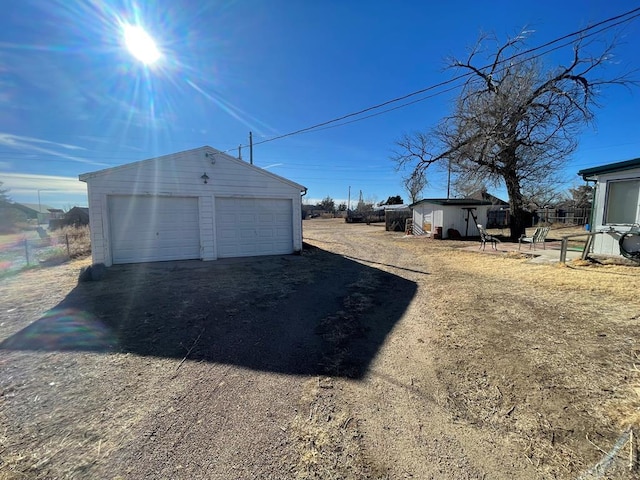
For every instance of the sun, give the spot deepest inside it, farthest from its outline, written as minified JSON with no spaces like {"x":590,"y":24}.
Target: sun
{"x":141,"y":45}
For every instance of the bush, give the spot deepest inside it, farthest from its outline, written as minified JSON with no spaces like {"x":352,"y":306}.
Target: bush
{"x":79,"y":240}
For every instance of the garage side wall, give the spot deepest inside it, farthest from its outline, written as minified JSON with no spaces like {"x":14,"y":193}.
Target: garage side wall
{"x":98,"y":246}
{"x":422,"y":219}
{"x":180,"y":175}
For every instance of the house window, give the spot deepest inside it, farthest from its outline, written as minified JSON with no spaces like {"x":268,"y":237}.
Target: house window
{"x":621,"y":206}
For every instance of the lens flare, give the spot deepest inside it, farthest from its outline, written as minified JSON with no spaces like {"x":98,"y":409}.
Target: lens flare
{"x":63,"y":330}
{"x":140,"y":44}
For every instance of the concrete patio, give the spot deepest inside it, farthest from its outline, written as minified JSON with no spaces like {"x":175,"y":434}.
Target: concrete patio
{"x":549,"y":254}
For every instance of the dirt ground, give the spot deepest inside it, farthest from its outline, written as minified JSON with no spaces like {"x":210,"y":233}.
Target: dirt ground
{"x":371,"y":355}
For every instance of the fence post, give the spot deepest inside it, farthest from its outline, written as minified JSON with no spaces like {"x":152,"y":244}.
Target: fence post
{"x":66,"y":239}
{"x":26,"y":250}
{"x":563,"y":250}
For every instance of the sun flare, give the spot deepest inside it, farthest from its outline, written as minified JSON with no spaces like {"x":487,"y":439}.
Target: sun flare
{"x":141,"y":45}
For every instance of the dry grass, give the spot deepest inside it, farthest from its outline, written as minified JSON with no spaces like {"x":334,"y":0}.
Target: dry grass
{"x":27,"y":250}
{"x":79,"y":240}
{"x":328,"y":440}
{"x":538,"y":338}
{"x":620,"y":282}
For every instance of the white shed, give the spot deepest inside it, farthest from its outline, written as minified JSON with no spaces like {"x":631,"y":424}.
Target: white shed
{"x":449,"y":213}
{"x":616,"y":206}
{"x":198,"y":204}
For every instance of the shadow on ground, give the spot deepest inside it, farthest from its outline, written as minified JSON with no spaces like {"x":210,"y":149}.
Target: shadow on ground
{"x":318,"y":313}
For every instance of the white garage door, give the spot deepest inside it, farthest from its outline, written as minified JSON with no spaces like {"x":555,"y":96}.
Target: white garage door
{"x":248,"y":227}
{"x":150,"y":229}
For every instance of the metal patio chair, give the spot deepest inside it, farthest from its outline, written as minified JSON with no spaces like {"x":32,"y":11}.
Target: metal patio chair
{"x":539,"y":236}
{"x":485,"y":237}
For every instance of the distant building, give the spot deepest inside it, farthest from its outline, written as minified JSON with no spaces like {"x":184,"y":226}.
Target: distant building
{"x":76,"y":217}
{"x":41,"y":212}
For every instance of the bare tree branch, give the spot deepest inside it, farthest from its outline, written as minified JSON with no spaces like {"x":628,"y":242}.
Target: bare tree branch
{"x":514,"y":123}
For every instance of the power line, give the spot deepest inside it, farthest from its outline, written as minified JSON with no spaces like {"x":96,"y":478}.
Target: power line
{"x":454,"y":87}
{"x":348,"y":118}
{"x":633,"y":13}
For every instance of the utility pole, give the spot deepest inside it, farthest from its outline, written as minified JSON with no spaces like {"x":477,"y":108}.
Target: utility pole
{"x":349,"y":201}
{"x":240,"y":152}
{"x":251,"y":148}
{"x":449,"y":180}
{"x":40,"y":216}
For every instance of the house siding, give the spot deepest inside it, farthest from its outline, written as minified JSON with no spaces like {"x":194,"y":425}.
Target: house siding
{"x":180,"y":175}
{"x":607,"y":242}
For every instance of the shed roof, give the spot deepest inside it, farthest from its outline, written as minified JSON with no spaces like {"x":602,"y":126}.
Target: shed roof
{"x":461,"y":202}
{"x":609,"y":168}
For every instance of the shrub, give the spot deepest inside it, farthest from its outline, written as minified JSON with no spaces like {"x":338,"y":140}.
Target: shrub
{"x":79,"y":240}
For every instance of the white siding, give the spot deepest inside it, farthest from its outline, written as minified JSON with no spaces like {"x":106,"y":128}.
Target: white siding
{"x":446,"y":217}
{"x":606,"y":243}
{"x":423,"y":220}
{"x":207,"y":246}
{"x":454,"y":217}
{"x":179,"y":175}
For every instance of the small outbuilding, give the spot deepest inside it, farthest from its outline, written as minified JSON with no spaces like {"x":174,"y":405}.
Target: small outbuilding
{"x":75,"y":217}
{"x":616,"y":207}
{"x":197,"y":204}
{"x":444,"y":216}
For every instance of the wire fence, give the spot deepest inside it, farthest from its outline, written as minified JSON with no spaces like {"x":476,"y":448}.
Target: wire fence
{"x":24,"y":252}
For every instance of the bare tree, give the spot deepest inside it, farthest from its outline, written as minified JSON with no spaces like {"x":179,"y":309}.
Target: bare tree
{"x":515,"y":122}
{"x":414,"y":184}
{"x":540,"y":196}
{"x":464,"y":188}
{"x":581,"y":196}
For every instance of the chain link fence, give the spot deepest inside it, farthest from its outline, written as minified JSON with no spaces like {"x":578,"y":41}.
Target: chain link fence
{"x":44,"y":249}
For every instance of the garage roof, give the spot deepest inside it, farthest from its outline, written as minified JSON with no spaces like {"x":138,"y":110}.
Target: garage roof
{"x":587,"y":173}
{"x":210,"y":151}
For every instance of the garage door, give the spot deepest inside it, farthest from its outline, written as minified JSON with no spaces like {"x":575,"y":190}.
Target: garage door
{"x":247,"y":227}
{"x":150,"y":229}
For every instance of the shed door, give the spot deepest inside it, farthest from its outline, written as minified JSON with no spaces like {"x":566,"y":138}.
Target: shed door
{"x":247,"y":227}
{"x":150,"y":229}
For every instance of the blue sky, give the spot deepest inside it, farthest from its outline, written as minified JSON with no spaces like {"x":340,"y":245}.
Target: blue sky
{"x":74,"y":100}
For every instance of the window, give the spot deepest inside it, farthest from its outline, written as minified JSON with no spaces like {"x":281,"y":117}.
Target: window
{"x":621,"y":206}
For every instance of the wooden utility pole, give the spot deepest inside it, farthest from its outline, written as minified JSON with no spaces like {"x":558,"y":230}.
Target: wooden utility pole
{"x":449,"y":180}
{"x":251,"y":148}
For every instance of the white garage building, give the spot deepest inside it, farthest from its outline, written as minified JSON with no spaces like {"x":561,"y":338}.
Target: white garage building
{"x":198,"y":204}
